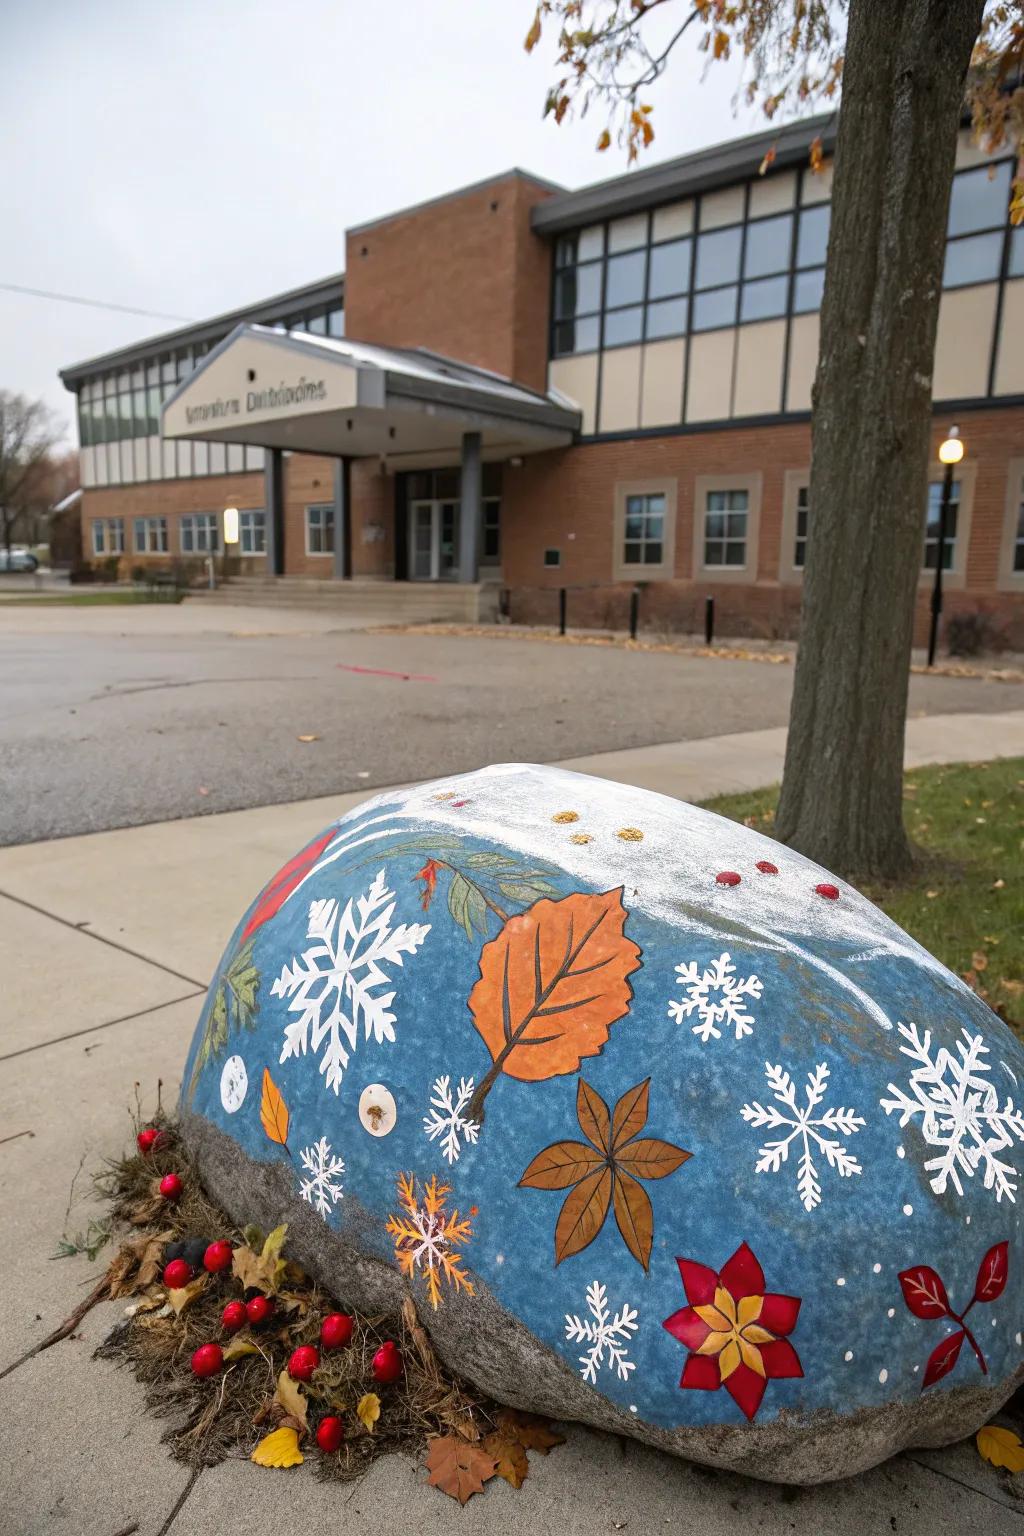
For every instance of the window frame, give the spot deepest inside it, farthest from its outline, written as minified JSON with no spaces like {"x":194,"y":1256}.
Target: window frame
{"x":247,"y":525}
{"x":703,"y":486}
{"x":325,"y":507}
{"x":964,"y":476}
{"x":192,"y":519}
{"x":664,"y":570}
{"x":149,"y":523}
{"x":793,"y":482}
{"x":1009,"y":580}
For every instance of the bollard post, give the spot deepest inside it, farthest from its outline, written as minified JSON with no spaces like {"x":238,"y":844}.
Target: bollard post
{"x":634,"y":612}
{"x":562,"y":594}
{"x":709,"y":620}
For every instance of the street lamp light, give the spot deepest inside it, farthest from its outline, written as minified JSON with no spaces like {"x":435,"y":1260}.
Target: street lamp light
{"x":230,"y":537}
{"x":950,"y":452}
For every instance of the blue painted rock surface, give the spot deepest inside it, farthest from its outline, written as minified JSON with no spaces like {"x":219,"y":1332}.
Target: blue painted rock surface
{"x":662,"y":1127}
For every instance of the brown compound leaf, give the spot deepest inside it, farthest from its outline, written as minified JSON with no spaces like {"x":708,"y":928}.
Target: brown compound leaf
{"x":509,"y":1456}
{"x":532,"y":1432}
{"x":458,"y":1468}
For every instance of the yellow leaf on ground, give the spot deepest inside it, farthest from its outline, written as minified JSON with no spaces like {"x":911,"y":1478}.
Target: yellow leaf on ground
{"x":262,"y":1271}
{"x":238,"y":1347}
{"x":273,"y":1111}
{"x":368,"y":1410}
{"x":278,"y":1449}
{"x":290,"y":1396}
{"x":1001,"y":1447}
{"x":185,"y":1295}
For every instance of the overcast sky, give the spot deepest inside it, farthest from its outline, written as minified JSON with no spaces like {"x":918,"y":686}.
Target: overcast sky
{"x":188,"y":156}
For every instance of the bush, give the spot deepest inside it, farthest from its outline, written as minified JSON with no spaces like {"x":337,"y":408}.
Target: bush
{"x":138,"y":574}
{"x":969,"y":634}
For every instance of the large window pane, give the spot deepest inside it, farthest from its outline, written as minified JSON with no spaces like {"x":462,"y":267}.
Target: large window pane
{"x":808,"y":288}
{"x":768,"y":243}
{"x":624,"y":283}
{"x":666,"y":319}
{"x":577,"y":336}
{"x":125,"y":415}
{"x":140,"y":412}
{"x":578,"y":291}
{"x":335,"y":322}
{"x":718,"y":257}
{"x":714,"y":309}
{"x":933,"y":519}
{"x":669,"y":270}
{"x":979,"y":199}
{"x":974,"y":259}
{"x":153,"y":409}
{"x":812,"y":237}
{"x":1016,"y":263}
{"x":623,"y":325}
{"x":764,"y":298}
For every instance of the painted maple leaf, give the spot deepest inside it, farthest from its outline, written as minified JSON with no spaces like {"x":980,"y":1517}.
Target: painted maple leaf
{"x":605,"y":1171}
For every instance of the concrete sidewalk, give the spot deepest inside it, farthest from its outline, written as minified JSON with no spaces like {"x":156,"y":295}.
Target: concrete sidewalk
{"x":107,"y":942}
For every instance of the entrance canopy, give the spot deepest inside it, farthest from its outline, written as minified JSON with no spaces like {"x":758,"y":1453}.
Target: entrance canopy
{"x":315,"y":394}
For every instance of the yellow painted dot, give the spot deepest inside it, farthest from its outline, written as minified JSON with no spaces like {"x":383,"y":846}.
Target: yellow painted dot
{"x":566,"y":816}
{"x":630,"y":834}
{"x":448,"y":794}
{"x":581,"y":837}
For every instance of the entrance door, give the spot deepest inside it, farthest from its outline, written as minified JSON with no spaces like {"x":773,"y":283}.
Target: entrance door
{"x":433,"y":541}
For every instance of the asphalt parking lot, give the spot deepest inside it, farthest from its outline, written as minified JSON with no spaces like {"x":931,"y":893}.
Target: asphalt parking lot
{"x":115,"y":717}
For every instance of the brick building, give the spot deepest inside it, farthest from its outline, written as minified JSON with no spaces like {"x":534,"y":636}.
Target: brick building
{"x":517,"y":388}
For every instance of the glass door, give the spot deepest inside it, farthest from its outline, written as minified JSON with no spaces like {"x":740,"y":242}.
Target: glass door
{"x":448,"y":534}
{"x":422,"y":543}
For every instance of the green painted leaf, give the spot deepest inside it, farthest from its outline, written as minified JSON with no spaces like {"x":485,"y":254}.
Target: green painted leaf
{"x":476,"y":910}
{"x":459,"y":894}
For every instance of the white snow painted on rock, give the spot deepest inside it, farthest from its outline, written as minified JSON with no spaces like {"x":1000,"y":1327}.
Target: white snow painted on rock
{"x":322,"y":1190}
{"x":812,"y":1131}
{"x":607,"y":1336}
{"x":447,"y":1117}
{"x":332,"y":984}
{"x":960,"y":1112}
{"x":717,"y":996}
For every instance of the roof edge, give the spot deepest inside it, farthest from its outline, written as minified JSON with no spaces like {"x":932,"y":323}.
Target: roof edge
{"x":514,"y":171}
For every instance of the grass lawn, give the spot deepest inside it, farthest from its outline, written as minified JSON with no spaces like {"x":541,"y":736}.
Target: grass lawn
{"x":966,"y":901}
{"x":92,"y":599}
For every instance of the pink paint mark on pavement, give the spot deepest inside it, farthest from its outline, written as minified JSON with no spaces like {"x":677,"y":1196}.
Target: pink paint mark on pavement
{"x":405,"y":677}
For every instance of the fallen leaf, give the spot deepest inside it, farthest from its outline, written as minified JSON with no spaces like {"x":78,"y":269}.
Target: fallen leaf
{"x":458,"y":1468}
{"x":273,"y":1111}
{"x":509,"y":1456}
{"x":1001,"y":1447}
{"x":261,"y":1271}
{"x":278,"y":1449}
{"x":418,"y":1334}
{"x":931,"y":895}
{"x":290,"y":1397}
{"x":203,"y":789}
{"x":238,"y":1347}
{"x":185,"y":1295}
{"x":534,"y":1433}
{"x":979,"y":960}
{"x":368,"y":1410}
{"x":998,"y":885}
{"x":307,"y":738}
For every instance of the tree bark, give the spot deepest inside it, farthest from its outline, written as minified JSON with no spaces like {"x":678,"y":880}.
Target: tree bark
{"x":903,"y":92}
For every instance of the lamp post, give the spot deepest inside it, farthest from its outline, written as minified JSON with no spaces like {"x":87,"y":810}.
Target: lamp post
{"x":950,"y":452}
{"x":230,"y":536}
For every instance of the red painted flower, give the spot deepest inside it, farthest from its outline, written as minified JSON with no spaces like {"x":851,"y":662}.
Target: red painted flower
{"x":274,"y":895}
{"x":734,"y":1329}
{"x":428,"y":874}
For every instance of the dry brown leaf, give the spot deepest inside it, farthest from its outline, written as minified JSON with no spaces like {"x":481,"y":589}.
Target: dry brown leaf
{"x":510,"y":1457}
{"x":240,"y":1346}
{"x":261,"y":1271}
{"x":418,"y":1335}
{"x":979,"y":960}
{"x":151,"y":1258}
{"x":145,"y":1211}
{"x":368,"y":1410}
{"x":185,"y":1295}
{"x":289,"y":1396}
{"x":458,"y":1468}
{"x":278,"y":1449}
{"x":532,"y":1432}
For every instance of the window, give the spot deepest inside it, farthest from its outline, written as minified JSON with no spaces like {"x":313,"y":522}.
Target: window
{"x":200,"y":533}
{"x":669,"y":269}
{"x":150,"y":535}
{"x":1018,"y":541}
{"x":1015,"y":266}
{"x":491,"y":551}
{"x":975,"y":259}
{"x":767,"y":248}
{"x":335,"y":322}
{"x":803,"y":507}
{"x":252,"y":532}
{"x":644,"y":530}
{"x":932,"y":520}
{"x":725,"y":528}
{"x":977,"y":218}
{"x":552,"y":558}
{"x":108,"y":536}
{"x":320,"y":529}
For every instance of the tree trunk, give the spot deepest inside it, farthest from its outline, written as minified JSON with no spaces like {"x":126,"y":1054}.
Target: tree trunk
{"x":903,"y":92}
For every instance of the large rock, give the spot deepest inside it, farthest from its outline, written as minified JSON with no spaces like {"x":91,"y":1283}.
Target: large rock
{"x":664,"y":1128}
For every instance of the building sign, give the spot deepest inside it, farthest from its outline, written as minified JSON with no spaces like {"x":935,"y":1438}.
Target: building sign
{"x":254,"y":381}
{"x":258,"y":400}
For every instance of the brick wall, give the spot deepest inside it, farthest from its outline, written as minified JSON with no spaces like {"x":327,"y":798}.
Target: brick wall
{"x":170,"y":499}
{"x":464,"y":276}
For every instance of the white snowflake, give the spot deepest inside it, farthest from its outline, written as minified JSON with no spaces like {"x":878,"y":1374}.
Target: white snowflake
{"x":960,"y":1112}
{"x":331,"y":985}
{"x":810,"y":1129}
{"x":322,"y":1188}
{"x":716,"y":996}
{"x":605,"y":1335}
{"x":447,"y":1119}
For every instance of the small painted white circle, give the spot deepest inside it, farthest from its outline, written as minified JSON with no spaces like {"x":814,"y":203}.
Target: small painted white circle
{"x":848,"y":1355}
{"x":891,"y":1312}
{"x":908,"y":1210}
{"x":234,"y":1084}
{"x":883,"y":1376}
{"x":901,"y":1151}
{"x":377,"y":1110}
{"x":841,"y":1280}
{"x":876,"y":1269}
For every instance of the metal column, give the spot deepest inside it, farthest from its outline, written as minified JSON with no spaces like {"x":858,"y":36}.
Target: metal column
{"x":471,"y":513}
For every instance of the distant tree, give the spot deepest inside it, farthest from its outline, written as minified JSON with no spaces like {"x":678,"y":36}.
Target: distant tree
{"x":906,"y":69}
{"x":27,"y":437}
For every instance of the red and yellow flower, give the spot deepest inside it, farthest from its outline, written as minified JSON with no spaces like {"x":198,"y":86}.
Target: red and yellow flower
{"x":428,"y":875}
{"x":734,"y":1329}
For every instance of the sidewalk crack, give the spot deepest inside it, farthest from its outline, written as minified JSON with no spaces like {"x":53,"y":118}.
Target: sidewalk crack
{"x":92,"y":1029}
{"x":180,"y":1501}
{"x":102,"y":939}
{"x":968,"y":1487}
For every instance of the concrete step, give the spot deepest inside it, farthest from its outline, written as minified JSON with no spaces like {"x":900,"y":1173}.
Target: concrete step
{"x":377,"y":601}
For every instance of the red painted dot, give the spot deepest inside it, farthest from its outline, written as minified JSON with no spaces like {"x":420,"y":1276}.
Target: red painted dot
{"x":728,"y":877}
{"x":830,"y":892}
{"x":767,"y":867}
{"x":458,"y":804}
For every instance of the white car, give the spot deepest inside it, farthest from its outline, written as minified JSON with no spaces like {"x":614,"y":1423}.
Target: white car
{"x":18,"y":560}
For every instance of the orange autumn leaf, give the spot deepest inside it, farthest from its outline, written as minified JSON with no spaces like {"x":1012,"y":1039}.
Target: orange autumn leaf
{"x":552,"y":984}
{"x":273,"y":1111}
{"x":457,"y":1467}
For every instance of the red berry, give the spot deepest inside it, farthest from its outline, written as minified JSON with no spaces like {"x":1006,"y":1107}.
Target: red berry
{"x":330,"y":1432}
{"x":148,"y":1139}
{"x":234,"y":1316}
{"x":387,"y":1363}
{"x":336,"y":1330}
{"x":171,"y":1187}
{"x":207,"y":1360}
{"x":176,"y":1274}
{"x":303,"y":1362}
{"x":218,"y":1256}
{"x":259,"y":1309}
{"x":767,"y":867}
{"x":830,"y":892}
{"x":728,"y":877}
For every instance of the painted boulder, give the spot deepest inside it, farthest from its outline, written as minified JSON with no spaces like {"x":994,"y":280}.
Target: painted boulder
{"x":663,"y":1128}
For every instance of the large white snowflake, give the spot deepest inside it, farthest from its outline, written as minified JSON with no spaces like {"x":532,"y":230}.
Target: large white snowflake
{"x":606,"y":1335}
{"x":322,"y":1189}
{"x":804,"y":1126}
{"x":960,"y":1112}
{"x":447,"y":1117}
{"x":716,"y":995}
{"x":332,"y":984}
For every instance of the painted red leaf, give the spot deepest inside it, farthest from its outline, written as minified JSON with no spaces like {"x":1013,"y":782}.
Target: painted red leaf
{"x":924,"y":1292}
{"x":992,"y":1273}
{"x":274,"y":895}
{"x":942,"y":1359}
